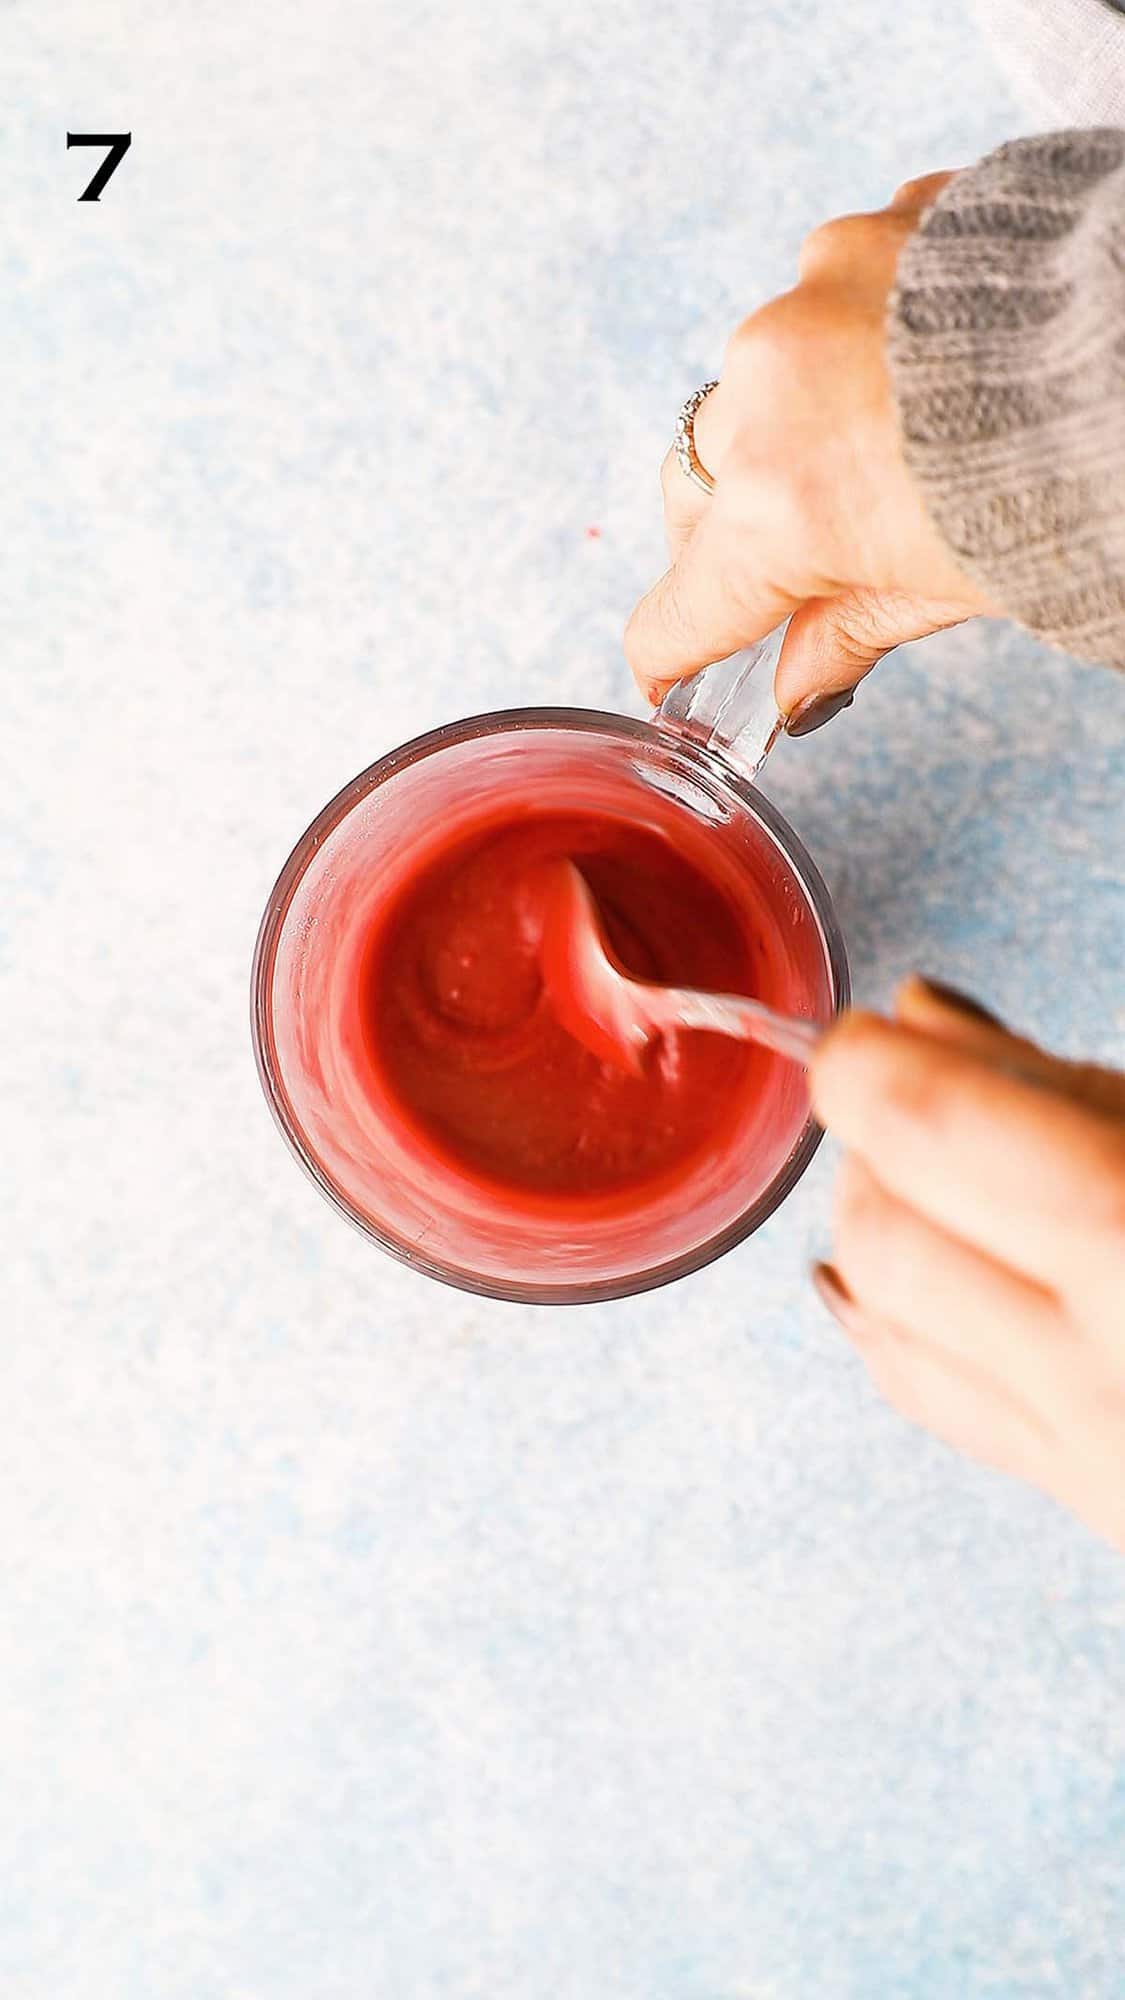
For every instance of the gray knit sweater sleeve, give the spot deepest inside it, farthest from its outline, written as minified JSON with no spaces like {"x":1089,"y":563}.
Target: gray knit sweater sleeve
{"x":1006,"y":342}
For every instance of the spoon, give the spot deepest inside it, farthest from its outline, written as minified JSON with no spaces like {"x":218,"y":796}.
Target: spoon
{"x":615,"y":1015}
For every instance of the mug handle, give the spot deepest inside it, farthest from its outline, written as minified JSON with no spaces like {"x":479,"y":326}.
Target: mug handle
{"x":730,"y":707}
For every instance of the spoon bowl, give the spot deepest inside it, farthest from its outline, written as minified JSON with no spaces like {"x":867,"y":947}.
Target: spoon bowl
{"x":616,"y":1016}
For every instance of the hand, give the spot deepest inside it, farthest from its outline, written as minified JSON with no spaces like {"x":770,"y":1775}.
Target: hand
{"x":814,"y":513}
{"x":980,"y":1241}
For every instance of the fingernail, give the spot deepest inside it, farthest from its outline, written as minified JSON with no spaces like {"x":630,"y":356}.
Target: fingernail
{"x":963,"y":1002}
{"x":834,"y":1294}
{"x":816,"y":710}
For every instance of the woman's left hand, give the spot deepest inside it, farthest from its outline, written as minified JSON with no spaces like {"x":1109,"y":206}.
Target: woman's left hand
{"x":815,"y":516}
{"x":980,"y":1241}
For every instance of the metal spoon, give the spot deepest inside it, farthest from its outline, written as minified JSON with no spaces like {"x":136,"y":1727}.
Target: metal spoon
{"x":615,"y":1015}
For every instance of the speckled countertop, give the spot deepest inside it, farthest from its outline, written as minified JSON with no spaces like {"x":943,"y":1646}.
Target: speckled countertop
{"x":360,"y":1640}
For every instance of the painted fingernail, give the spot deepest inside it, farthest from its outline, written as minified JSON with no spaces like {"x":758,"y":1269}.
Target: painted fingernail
{"x":816,"y":710}
{"x":963,"y":1002}
{"x":834,"y":1294}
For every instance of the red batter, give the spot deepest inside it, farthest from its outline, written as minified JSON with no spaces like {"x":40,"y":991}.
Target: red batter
{"x":462,"y":1036}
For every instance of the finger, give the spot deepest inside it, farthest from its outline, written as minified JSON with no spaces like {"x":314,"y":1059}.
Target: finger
{"x":902,"y":1268}
{"x":954,"y":1018}
{"x":943,"y":1010}
{"x":832,"y":642}
{"x":969,"y":1411}
{"x":1011,"y":1166}
{"x":685,"y":503}
{"x":697,"y":613}
{"x":939,"y":1011}
{"x":962,"y":1410}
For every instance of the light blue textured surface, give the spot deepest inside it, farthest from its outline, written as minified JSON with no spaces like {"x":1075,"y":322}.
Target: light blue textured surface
{"x":361,"y":1641}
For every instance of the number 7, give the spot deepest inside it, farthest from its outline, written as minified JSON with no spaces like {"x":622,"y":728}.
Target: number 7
{"x":118,"y":143}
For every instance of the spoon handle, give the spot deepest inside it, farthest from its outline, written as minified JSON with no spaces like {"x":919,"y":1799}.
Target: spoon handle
{"x":729,"y":707}
{"x":731,"y":1014}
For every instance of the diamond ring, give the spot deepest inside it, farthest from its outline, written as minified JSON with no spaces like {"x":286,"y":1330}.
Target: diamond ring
{"x":684,"y":441}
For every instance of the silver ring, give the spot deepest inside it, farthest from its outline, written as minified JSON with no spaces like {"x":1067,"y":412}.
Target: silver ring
{"x":684,"y":441}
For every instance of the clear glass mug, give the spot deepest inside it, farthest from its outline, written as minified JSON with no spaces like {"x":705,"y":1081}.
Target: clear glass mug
{"x":701,"y":753}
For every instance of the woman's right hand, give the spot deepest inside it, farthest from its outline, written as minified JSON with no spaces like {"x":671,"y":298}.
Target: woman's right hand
{"x":979,"y":1254}
{"x":814,"y":512}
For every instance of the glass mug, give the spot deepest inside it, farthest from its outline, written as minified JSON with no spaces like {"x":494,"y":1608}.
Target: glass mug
{"x":690,"y":770}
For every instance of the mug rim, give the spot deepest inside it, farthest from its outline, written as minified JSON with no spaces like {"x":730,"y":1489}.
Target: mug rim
{"x":500,"y":722}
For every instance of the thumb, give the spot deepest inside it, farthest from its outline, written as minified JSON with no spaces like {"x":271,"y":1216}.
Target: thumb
{"x":832,"y":642}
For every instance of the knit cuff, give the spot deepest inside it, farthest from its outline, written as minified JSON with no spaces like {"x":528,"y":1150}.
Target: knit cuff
{"x":1006,"y":346}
